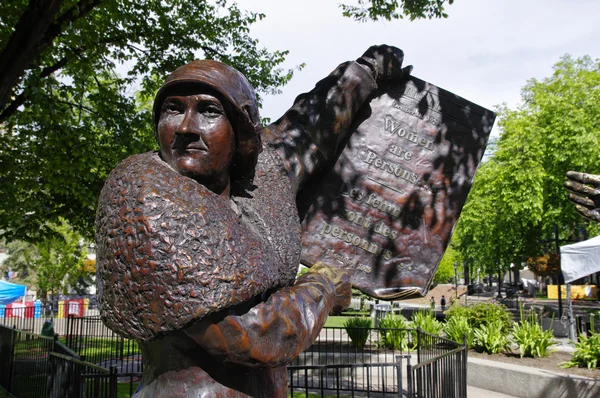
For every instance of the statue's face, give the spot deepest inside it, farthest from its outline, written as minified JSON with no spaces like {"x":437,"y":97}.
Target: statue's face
{"x":196,"y":137}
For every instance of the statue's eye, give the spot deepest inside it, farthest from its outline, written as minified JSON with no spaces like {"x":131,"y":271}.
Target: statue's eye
{"x":172,"y":107}
{"x":211,"y":109}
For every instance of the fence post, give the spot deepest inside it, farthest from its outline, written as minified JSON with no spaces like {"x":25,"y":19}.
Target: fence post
{"x":11,"y":355}
{"x":399,"y":374}
{"x":409,"y":379}
{"x":113,"y":382}
{"x":419,"y":343}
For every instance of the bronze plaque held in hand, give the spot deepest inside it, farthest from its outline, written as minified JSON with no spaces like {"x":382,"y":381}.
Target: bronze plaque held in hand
{"x":385,"y":213}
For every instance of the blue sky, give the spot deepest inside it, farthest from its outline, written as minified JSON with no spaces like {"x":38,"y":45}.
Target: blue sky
{"x":485,"y":51}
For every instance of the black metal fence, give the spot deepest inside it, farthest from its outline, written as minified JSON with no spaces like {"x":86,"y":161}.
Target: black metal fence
{"x":441,"y":369}
{"x":381,"y":364}
{"x":90,"y":339}
{"x":24,"y":363}
{"x":74,"y":378}
{"x":37,"y":366}
{"x":93,"y":359}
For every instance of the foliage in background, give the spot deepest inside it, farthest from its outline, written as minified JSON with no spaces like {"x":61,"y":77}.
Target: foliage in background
{"x":517,"y":196}
{"x":482,"y":314}
{"x":426,"y":321}
{"x":546,"y":265}
{"x":358,"y":329}
{"x":61,"y":260}
{"x":77,"y":78}
{"x":490,"y":338}
{"x":445,"y":271}
{"x":19,"y":260}
{"x":528,"y":334}
{"x":394,"y":333}
{"x":53,"y":265}
{"x":365,"y":10}
{"x":457,"y":328}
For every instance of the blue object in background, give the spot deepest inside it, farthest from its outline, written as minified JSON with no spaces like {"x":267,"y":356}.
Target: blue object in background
{"x":2,"y":310}
{"x":10,"y":292}
{"x":37,"y":309}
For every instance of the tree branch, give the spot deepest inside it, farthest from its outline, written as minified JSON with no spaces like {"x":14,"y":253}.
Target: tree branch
{"x":34,"y":32}
{"x":47,"y":71}
{"x":23,"y":46}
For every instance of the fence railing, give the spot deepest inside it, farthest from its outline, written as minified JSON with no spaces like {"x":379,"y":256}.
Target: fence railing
{"x":382,"y":378}
{"x":93,"y":357}
{"x":37,"y":366}
{"x":335,"y":346}
{"x":441,"y":369}
{"x":88,"y":337}
{"x":24,"y":362}
{"x":74,"y":378}
{"x":336,"y":363}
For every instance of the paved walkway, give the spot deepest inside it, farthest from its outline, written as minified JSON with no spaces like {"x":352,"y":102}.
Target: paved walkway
{"x":474,"y":392}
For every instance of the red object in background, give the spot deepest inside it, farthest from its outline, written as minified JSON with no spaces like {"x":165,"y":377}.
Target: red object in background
{"x":20,"y":310}
{"x":74,"y":307}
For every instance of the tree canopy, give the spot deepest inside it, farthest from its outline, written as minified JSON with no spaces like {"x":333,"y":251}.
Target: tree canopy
{"x":52,"y":265}
{"x":364,"y":10}
{"x":445,"y":272}
{"x":517,"y":198}
{"x":74,"y":78}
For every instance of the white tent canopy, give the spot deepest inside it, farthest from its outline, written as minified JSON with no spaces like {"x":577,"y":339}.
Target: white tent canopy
{"x":580,"y":259}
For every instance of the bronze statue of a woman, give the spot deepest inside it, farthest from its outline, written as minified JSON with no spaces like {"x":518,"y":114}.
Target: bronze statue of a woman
{"x":199,"y":243}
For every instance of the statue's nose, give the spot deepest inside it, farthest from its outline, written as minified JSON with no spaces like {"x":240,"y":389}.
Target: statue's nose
{"x":189,"y":124}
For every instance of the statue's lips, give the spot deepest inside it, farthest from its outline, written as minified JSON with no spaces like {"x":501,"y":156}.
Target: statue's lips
{"x":196,"y":146}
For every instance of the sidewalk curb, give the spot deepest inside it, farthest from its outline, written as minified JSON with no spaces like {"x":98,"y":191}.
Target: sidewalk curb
{"x":525,"y":382}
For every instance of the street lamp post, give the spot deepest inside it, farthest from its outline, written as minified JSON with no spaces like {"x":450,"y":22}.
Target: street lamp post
{"x":456,"y":279}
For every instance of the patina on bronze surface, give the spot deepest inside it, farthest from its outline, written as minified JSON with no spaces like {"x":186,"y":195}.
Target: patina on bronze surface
{"x":385,"y":213}
{"x":196,"y":253}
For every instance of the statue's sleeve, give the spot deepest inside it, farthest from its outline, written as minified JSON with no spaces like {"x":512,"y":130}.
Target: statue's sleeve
{"x":307,"y":136}
{"x":274,"y":332}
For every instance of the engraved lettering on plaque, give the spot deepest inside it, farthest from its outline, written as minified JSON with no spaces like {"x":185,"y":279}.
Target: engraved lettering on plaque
{"x":405,"y":174}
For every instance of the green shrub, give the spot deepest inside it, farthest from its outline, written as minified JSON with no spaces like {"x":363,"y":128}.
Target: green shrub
{"x":483,"y":314}
{"x":491,"y":338}
{"x":393,"y":332}
{"x":587,"y":352}
{"x":425,"y":320}
{"x":358,"y":329}
{"x":533,"y":341}
{"x":457,"y":327}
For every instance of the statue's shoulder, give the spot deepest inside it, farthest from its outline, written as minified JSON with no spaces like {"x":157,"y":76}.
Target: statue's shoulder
{"x":139,"y":164}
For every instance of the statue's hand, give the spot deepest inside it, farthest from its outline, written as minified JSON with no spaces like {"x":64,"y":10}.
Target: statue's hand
{"x":585,"y":193}
{"x":341,"y":280}
{"x":385,"y":62}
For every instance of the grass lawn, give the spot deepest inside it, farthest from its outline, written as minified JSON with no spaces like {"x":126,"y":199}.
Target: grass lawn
{"x":338,"y":321}
{"x":124,"y":388}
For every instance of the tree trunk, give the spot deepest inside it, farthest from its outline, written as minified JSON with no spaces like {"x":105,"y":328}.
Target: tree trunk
{"x":25,"y":44}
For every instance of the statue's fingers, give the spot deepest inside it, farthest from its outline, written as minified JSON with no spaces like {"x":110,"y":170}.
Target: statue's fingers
{"x":584,"y":178}
{"x":581,"y":188}
{"x":587,"y":213}
{"x":581,"y":200}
